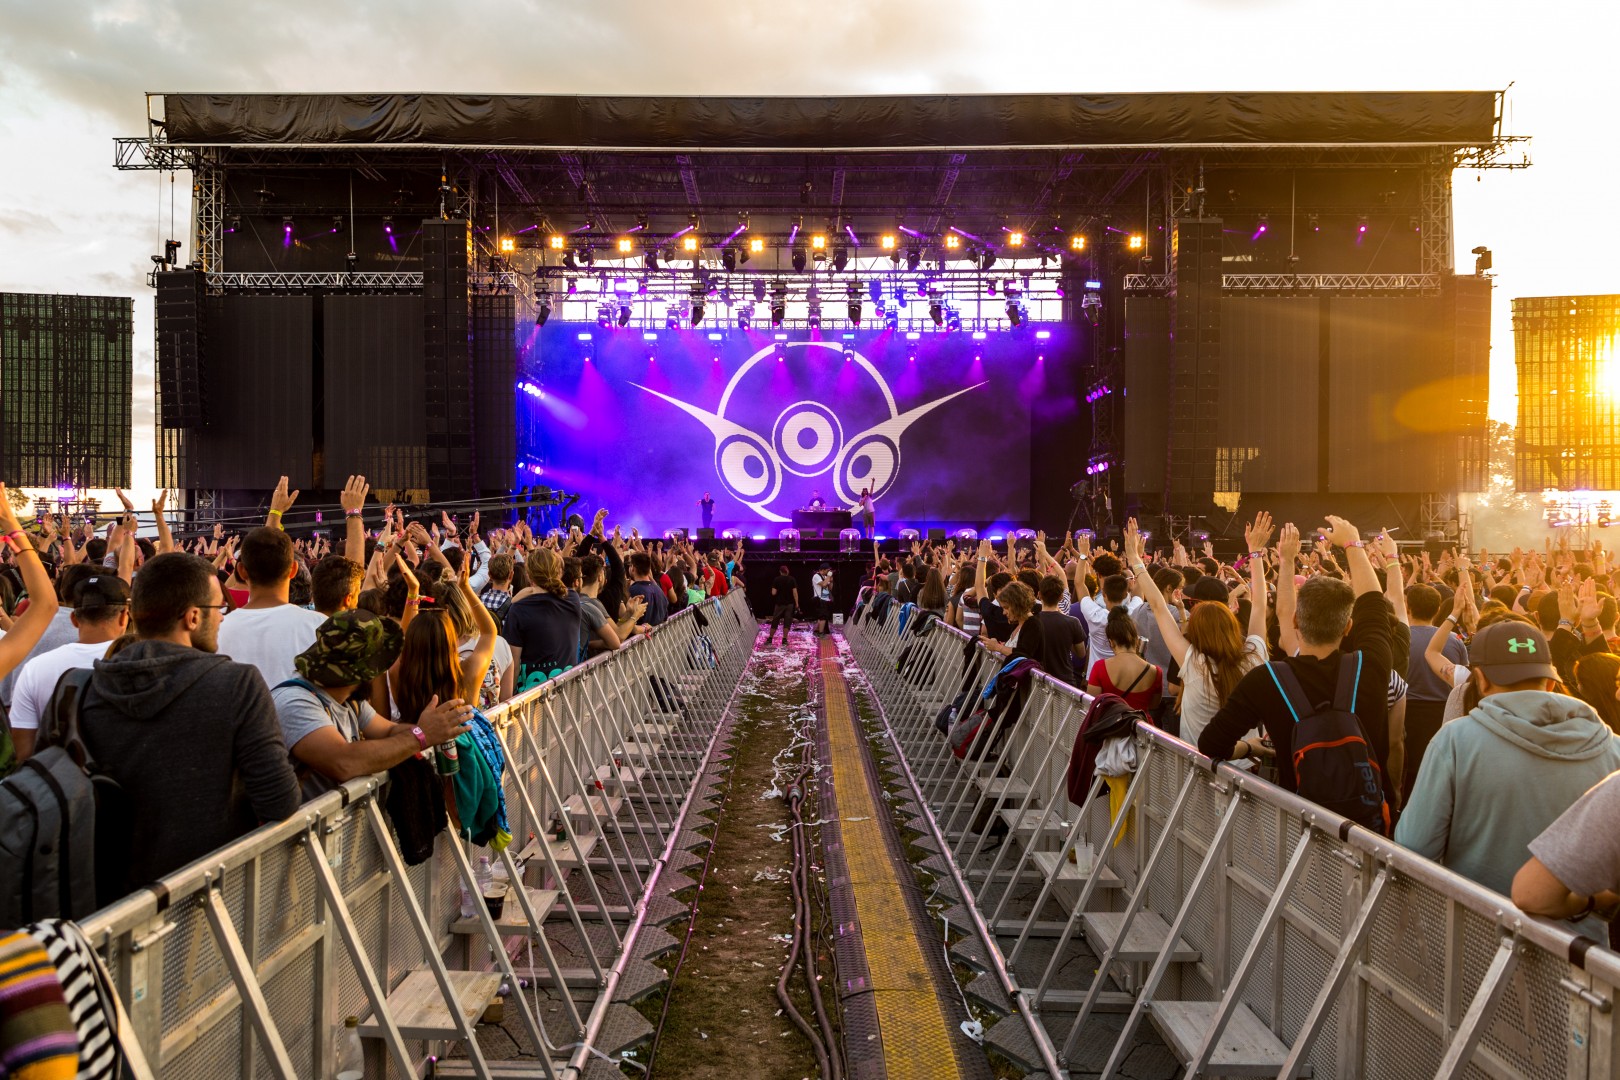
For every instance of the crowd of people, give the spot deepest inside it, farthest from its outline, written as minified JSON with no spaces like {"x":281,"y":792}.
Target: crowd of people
{"x":1473,"y":698}
{"x":232,"y":677}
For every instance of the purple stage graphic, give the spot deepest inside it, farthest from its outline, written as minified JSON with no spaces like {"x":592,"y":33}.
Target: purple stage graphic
{"x":936,"y":425}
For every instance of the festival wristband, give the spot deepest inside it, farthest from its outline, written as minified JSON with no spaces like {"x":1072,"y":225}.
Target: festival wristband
{"x":421,"y":737}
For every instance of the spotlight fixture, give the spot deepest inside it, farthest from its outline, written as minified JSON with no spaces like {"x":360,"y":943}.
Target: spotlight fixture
{"x":759,"y":290}
{"x":650,"y":258}
{"x":1361,"y":226}
{"x":557,"y":242}
{"x":542,"y":310}
{"x":1414,"y":224}
{"x":1136,"y":242}
{"x":913,"y":257}
{"x":604,"y":315}
{"x":1077,"y":243}
{"x":874,"y":289}
{"x":568,"y":261}
{"x":1262,"y":226}
{"x":849,"y":355}
{"x":626,"y":245}
{"x":889,"y":242}
{"x":728,"y":258}
{"x":778,"y":304}
{"x":508,"y":245}
{"x":780,"y":349}
{"x":745,"y":317}
{"x":818,"y":244}
{"x":672,"y":317}
{"x":891,"y":317}
{"x":813,"y":308}
{"x":936,"y":309}
{"x":695,"y":311}
{"x":587,"y":256}
{"x":624,"y":313}
{"x":337,"y":222}
{"x":286,"y":226}
{"x":689,"y":244}
{"x":1015,"y":311}
{"x":840,"y":257}
{"x":953,"y":319}
{"x":798,"y":259}
{"x":854,"y":296}
{"x":1314,"y":222}
{"x":756,"y":245}
{"x":987,"y":259}
{"x":953,"y":242}
{"x":1015,"y":239}
{"x":388,"y":224}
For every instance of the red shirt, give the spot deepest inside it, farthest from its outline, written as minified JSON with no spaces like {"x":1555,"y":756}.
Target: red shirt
{"x":716,"y":579}
{"x":1145,"y":689}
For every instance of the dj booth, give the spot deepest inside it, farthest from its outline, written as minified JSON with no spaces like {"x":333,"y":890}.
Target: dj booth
{"x":823,"y":521}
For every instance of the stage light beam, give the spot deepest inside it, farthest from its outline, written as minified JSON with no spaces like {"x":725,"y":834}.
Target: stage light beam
{"x":557,"y":242}
{"x":1136,"y":242}
{"x":1077,"y":243}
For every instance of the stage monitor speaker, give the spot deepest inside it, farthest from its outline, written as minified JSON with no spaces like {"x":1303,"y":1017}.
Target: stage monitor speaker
{"x":936,"y":536}
{"x":705,"y":534}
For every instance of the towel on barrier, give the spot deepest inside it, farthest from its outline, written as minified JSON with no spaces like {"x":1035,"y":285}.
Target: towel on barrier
{"x":480,"y":802}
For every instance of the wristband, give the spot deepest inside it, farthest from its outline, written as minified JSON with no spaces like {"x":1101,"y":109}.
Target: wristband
{"x":275,"y":513}
{"x":1257,"y":554}
{"x":1591,"y":906}
{"x":1355,"y":544}
{"x":421,"y":737}
{"x":1139,"y":568}
{"x":353,"y":513}
{"x":413,"y":600}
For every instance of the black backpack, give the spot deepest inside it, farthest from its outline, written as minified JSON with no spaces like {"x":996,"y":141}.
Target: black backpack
{"x":48,"y":805}
{"x":1333,"y":765}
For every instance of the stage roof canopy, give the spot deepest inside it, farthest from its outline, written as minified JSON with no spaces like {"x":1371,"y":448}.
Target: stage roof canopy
{"x":830,"y":124}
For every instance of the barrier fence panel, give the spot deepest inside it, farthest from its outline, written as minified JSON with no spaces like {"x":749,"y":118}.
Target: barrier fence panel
{"x":246,"y":962}
{"x":1249,"y":931}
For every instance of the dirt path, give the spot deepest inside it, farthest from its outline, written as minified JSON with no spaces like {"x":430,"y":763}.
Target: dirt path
{"x":723,"y":1018}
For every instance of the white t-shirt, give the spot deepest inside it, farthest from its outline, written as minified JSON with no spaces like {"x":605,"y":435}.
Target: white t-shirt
{"x":819,"y":585}
{"x":39,"y":676}
{"x":1198,"y":704}
{"x":1095,"y":616}
{"x":269,"y":638}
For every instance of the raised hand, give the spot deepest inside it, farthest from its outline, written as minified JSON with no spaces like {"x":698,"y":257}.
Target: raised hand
{"x":353,"y":496}
{"x":281,"y":500}
{"x":158,"y":503}
{"x":1133,"y":543}
{"x":1288,"y":548}
{"x":1258,"y":535}
{"x":1340,"y":533}
{"x":1589,"y":604}
{"x":129,"y":507}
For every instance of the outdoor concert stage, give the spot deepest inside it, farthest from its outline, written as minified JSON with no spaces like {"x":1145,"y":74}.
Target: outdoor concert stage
{"x":996,"y":311}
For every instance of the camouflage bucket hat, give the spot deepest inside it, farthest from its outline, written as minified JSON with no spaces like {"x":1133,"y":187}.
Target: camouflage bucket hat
{"x":351,"y":647}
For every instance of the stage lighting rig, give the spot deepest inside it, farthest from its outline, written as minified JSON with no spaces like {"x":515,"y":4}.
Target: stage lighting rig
{"x":650,"y":259}
{"x":1015,"y":238}
{"x":1077,"y":243}
{"x":913,"y":257}
{"x":952,"y":242}
{"x":987,"y":259}
{"x":818,"y":244}
{"x":798,"y":259}
{"x":756,"y":245}
{"x":745,"y":317}
{"x":695,"y":310}
{"x":853,"y":293}
{"x":626,"y":245}
{"x":672,"y":317}
{"x":759,"y":290}
{"x":624,"y":313}
{"x":813,"y":308}
{"x":728,"y":258}
{"x":936,"y":308}
{"x":953,"y":318}
{"x":1016,"y":312}
{"x":891,"y":317}
{"x":840,"y":258}
{"x":604,"y":315}
{"x":1136,"y":242}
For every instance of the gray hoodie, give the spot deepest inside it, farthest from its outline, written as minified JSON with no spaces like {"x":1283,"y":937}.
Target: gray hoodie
{"x":1493,"y":780}
{"x":193,"y":740}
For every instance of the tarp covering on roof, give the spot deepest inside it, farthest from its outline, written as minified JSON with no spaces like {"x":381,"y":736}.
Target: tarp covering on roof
{"x":1450,"y":118}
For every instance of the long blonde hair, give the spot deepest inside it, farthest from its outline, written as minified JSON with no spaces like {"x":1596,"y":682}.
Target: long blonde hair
{"x":545,"y":571}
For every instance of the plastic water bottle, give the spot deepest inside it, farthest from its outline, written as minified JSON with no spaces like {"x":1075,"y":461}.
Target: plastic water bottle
{"x":485,"y":876}
{"x":348,"y":1059}
{"x":467,"y":909}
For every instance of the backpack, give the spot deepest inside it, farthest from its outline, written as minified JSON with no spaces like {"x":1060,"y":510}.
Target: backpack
{"x":998,"y":708}
{"x":48,"y":838}
{"x":1333,"y":765}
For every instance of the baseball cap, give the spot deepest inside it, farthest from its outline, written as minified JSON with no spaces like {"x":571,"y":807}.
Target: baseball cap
{"x":351,"y":647}
{"x":100,"y":591}
{"x":1511,"y":652}
{"x":1209,"y":589}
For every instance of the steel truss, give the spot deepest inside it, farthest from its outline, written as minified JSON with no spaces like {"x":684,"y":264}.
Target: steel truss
{"x":292,"y":282}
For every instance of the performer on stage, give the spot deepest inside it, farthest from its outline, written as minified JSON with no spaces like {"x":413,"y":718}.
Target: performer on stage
{"x":816,"y":500}
{"x":706,"y":504}
{"x":868,"y":514}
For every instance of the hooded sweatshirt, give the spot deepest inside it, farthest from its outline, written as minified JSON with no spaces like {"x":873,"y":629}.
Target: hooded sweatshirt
{"x":1493,"y":780}
{"x":193,"y":741}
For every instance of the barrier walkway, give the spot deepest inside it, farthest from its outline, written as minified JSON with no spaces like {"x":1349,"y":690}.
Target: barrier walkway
{"x":246,"y":962}
{"x":900,"y":1019}
{"x":1217,"y":926}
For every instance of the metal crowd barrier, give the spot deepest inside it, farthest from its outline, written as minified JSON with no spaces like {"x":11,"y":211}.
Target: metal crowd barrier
{"x":1259,"y":934}
{"x":245,"y":962}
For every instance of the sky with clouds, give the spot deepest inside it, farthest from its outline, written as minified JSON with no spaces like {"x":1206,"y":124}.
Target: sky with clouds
{"x":73,"y":74}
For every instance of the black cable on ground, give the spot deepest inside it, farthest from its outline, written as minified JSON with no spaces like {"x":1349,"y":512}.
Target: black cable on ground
{"x":801,"y":930}
{"x":803,"y":892}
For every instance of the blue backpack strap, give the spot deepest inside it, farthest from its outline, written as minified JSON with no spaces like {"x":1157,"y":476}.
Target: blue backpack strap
{"x":1350,"y":665}
{"x":302,"y":684}
{"x":1293,"y":694}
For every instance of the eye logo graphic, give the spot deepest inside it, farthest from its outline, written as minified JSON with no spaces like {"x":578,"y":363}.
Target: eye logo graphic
{"x":806,"y":440}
